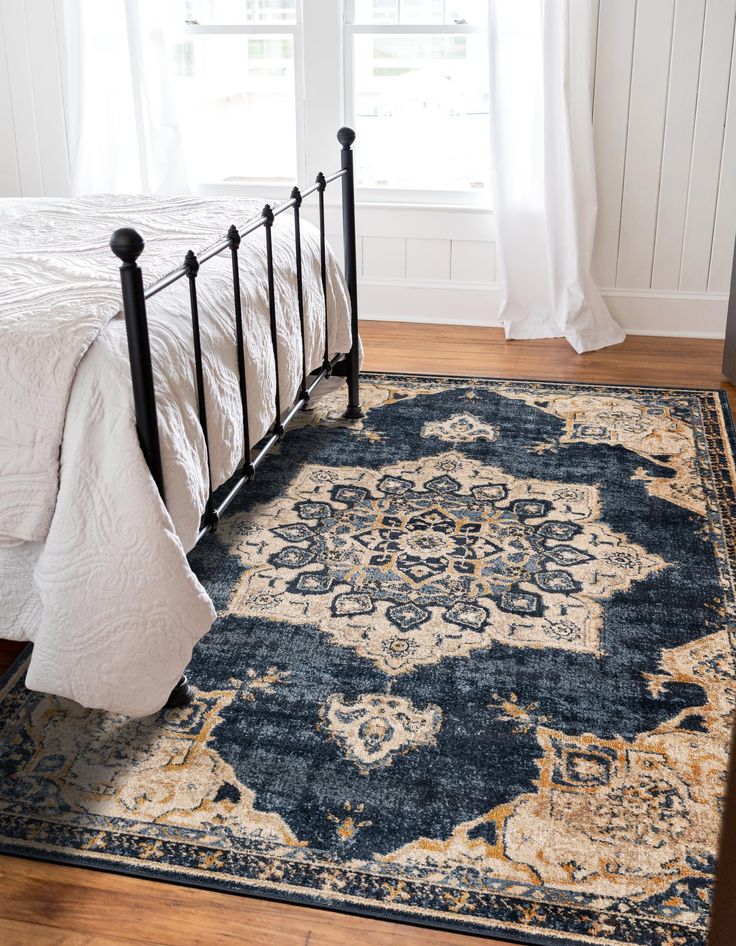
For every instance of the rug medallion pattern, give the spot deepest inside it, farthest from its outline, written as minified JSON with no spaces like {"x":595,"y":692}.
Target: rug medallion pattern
{"x":472,"y":668}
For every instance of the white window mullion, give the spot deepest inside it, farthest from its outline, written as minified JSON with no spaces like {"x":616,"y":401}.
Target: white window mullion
{"x":300,"y":91}
{"x":323,"y":103}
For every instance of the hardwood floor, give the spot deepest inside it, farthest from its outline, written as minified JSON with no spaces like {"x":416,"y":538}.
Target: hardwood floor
{"x":51,"y":905}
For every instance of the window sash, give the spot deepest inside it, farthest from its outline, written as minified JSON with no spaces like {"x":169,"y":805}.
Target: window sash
{"x":389,"y":195}
{"x":325,"y":97}
{"x":293,"y":30}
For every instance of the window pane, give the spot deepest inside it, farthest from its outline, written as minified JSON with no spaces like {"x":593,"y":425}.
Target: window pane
{"x":237,"y":106}
{"x":413,"y":92}
{"x":233,"y":11}
{"x":422,"y":12}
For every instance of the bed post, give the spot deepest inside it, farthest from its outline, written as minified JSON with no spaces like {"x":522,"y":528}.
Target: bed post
{"x":346,"y":137}
{"x":128,"y":245}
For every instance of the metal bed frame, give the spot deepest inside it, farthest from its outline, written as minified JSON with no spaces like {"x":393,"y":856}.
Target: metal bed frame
{"x":128,"y":245}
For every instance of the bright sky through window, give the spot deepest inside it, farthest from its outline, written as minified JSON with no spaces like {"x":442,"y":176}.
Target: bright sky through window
{"x":236,"y":90}
{"x":420,"y":93}
{"x":416,"y":89}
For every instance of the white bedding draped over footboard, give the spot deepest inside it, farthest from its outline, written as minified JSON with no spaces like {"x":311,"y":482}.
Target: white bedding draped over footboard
{"x":106,"y":593}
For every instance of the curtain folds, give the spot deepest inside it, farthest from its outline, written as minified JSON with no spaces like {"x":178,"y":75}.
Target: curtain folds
{"x":124,"y":136}
{"x":544,"y":171}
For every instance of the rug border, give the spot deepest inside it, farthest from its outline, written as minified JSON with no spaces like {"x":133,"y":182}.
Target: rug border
{"x":314,"y":901}
{"x":429,"y":376}
{"x":459,"y":926}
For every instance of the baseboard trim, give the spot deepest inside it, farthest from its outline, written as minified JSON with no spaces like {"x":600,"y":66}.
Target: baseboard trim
{"x":441,"y":302}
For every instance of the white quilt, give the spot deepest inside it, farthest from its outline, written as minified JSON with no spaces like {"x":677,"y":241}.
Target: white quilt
{"x":92,"y":565}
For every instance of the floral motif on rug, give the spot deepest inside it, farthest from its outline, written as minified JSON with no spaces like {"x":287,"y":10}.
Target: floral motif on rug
{"x":472,"y":669}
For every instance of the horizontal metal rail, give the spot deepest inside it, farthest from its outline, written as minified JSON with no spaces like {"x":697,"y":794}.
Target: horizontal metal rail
{"x":250,"y":226}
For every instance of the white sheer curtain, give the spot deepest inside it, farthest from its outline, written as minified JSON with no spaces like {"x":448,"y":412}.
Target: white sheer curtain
{"x":544,"y":171}
{"x":124,"y":134}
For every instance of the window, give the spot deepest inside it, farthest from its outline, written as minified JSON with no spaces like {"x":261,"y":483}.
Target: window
{"x":234,"y":69}
{"x":261,"y":88}
{"x":417,"y":74}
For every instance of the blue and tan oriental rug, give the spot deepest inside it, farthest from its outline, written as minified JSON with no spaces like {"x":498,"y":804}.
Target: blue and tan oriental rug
{"x":472,"y":669}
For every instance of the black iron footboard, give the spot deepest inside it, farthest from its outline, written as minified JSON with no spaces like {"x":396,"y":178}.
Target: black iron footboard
{"x":128,"y":245}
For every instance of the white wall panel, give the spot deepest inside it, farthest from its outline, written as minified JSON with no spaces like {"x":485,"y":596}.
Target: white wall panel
{"x":719,"y":277}
{"x":708,"y":144}
{"x":611,"y":115}
{"x":687,"y":42}
{"x":647,"y":111}
{"x":20,"y":82}
{"x":9,"y":175}
{"x":384,"y":257}
{"x":428,"y":259}
{"x":473,"y":261}
{"x":31,"y":101}
{"x":48,"y":99}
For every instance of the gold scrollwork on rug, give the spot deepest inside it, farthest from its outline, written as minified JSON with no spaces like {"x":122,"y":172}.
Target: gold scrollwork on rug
{"x":609,"y":818}
{"x":656,"y":434}
{"x":114,"y":767}
{"x":376,"y":727}
{"x":460,"y":428}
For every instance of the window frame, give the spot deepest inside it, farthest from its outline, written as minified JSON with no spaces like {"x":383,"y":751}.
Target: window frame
{"x":411,"y":196}
{"x":296,"y":32}
{"x":324,"y":100}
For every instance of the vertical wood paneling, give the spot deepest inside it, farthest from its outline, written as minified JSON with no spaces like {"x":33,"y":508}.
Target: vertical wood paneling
{"x":708,"y":144}
{"x":34,"y":156}
{"x":23,"y":103}
{"x":611,"y":111}
{"x":719,"y":278}
{"x":9,"y":179}
{"x":647,"y":110}
{"x":687,"y":43}
{"x":47,"y":95}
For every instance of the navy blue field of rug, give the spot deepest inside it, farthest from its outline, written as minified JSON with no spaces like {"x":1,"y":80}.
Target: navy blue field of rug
{"x":472,"y":669}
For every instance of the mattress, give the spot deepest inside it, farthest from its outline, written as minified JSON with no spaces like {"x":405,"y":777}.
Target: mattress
{"x":93,"y":566}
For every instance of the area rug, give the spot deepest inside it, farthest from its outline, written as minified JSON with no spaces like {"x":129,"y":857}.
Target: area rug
{"x":472,"y":669}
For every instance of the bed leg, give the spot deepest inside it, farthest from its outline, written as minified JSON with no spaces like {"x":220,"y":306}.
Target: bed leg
{"x":346,"y":137}
{"x":181,"y":695}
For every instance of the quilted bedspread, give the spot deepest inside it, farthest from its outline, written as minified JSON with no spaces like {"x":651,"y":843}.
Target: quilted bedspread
{"x":93,"y":567}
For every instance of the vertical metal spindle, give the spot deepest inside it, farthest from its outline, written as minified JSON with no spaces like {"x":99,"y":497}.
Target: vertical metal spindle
{"x":278,"y":427}
{"x":296,"y":195}
{"x":346,"y":137}
{"x":192,"y":266}
{"x":128,"y":245}
{"x":234,"y":238}
{"x":323,"y":267}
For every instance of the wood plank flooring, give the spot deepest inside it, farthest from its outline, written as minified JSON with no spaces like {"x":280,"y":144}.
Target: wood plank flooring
{"x":51,"y":905}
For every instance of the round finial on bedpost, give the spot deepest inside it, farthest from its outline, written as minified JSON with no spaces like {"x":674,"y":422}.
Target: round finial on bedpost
{"x":296,"y":196}
{"x":267,"y":214}
{"x":233,"y":236}
{"x":191,"y":263}
{"x":127,"y":244}
{"x":346,"y":137}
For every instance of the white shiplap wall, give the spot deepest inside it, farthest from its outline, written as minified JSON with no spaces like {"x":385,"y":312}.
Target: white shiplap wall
{"x":33,"y":148}
{"x":665,"y":138}
{"x":665,"y":142}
